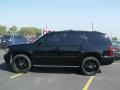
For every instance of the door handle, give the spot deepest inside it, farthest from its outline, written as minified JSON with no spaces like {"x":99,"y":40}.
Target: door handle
{"x":57,"y":49}
{"x":82,"y":48}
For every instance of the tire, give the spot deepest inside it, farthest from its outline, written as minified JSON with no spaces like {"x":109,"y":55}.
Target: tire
{"x":90,"y":66}
{"x":6,"y":62}
{"x":20,"y":63}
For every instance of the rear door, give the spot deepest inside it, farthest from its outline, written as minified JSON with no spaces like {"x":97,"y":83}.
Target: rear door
{"x":72,"y":45}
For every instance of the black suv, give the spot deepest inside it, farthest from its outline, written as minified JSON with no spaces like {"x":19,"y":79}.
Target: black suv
{"x":86,"y":49}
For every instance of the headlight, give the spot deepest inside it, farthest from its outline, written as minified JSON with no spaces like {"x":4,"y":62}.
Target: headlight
{"x":7,"y":50}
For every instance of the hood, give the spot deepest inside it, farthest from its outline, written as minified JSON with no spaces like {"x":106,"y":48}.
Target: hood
{"x":21,"y":47}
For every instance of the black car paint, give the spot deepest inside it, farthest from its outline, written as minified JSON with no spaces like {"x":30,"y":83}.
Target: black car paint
{"x":41,"y":53}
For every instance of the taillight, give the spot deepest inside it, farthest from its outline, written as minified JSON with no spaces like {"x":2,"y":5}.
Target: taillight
{"x":111,"y":50}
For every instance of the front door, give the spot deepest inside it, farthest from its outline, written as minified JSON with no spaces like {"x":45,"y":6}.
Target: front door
{"x":46,"y":52}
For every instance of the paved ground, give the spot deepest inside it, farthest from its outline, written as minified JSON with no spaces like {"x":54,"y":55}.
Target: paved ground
{"x":58,"y":79}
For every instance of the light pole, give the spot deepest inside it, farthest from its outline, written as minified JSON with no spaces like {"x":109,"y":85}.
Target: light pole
{"x":92,"y":26}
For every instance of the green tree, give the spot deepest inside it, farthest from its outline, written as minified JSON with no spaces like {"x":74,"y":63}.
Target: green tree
{"x":114,"y":38}
{"x":13,"y":29}
{"x":29,"y":31}
{"x":2,"y":29}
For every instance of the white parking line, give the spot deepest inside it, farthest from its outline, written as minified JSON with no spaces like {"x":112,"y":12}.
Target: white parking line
{"x":17,"y":75}
{"x":116,"y":63}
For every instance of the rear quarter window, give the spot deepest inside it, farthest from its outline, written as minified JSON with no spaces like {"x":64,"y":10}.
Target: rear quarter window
{"x":98,"y":39}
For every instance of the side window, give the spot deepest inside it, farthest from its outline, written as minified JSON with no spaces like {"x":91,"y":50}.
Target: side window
{"x":98,"y":39}
{"x":73,"y":38}
{"x":52,"y":39}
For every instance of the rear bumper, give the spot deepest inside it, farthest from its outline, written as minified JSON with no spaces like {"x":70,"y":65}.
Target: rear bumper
{"x":107,"y":60}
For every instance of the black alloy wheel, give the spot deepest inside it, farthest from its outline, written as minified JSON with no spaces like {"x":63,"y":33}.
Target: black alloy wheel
{"x":90,"y":66}
{"x":21,"y":63}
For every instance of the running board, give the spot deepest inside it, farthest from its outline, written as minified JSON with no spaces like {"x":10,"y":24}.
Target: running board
{"x":58,"y":66}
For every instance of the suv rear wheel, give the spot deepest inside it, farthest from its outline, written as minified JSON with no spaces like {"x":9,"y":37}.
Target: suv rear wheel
{"x":90,"y":66}
{"x":21,"y":63}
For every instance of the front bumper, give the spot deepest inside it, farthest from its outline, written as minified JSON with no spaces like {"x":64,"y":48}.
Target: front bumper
{"x":107,"y":60}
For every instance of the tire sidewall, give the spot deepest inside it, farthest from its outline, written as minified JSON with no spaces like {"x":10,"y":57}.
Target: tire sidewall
{"x":15,"y":69}
{"x":86,"y":60}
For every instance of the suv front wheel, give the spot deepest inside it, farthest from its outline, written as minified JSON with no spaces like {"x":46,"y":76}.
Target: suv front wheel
{"x":21,"y":63}
{"x":90,"y":66}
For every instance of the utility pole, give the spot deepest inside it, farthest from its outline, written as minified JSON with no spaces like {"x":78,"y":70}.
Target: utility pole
{"x":46,"y":26}
{"x":92,"y":26}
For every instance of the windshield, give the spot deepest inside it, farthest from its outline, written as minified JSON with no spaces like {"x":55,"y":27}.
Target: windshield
{"x":6,"y":37}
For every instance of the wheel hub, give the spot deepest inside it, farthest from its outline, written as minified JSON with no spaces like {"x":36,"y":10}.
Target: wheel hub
{"x":91,"y":66}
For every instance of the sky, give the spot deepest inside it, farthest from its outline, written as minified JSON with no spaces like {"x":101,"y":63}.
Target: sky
{"x":63,"y":14}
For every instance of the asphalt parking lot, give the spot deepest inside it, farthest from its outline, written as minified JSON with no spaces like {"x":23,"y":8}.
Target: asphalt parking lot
{"x":59,"y":78}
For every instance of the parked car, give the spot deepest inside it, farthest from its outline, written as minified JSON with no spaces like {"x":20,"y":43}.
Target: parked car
{"x":0,"y":39}
{"x":116,"y":46}
{"x":12,"y":39}
{"x":86,"y":49}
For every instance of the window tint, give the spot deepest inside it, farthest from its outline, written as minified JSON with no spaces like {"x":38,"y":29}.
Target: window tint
{"x":98,"y":39}
{"x":52,"y":39}
{"x":73,"y":38}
